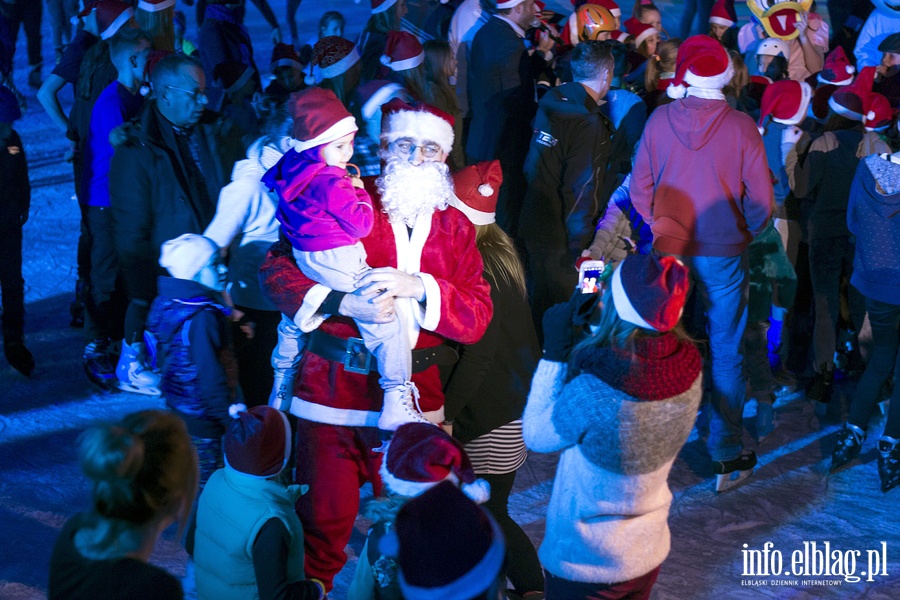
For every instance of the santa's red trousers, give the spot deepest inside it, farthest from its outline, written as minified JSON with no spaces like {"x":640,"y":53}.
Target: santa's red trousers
{"x":335,"y":461}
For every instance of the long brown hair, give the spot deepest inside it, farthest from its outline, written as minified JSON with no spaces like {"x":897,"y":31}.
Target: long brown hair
{"x":414,"y":81}
{"x":501,"y":260}
{"x":438,"y":59}
{"x":741,"y":77}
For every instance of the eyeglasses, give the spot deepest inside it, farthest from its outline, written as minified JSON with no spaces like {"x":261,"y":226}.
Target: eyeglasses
{"x":406,"y":148}
{"x":198,"y":96}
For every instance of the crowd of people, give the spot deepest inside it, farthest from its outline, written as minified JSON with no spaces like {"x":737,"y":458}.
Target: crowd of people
{"x":362,"y":264}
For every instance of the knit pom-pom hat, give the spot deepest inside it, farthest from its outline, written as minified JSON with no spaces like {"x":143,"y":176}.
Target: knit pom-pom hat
{"x":650,"y":291}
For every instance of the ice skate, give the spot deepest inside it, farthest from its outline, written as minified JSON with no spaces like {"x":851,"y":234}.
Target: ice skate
{"x":729,"y":473}
{"x":765,"y":418}
{"x":282,"y":389}
{"x":98,"y":367}
{"x":133,"y":376}
{"x":19,"y":358}
{"x":888,"y":463}
{"x":849,"y":444}
{"x":401,"y":405}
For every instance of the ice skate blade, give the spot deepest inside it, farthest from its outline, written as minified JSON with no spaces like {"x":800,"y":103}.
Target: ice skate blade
{"x":727,"y":481}
{"x":134,"y":389}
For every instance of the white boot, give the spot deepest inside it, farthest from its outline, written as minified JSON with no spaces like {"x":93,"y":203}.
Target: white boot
{"x":401,"y":405}
{"x":133,"y":375}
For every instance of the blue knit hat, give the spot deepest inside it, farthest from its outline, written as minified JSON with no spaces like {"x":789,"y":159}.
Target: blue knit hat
{"x":9,"y":106}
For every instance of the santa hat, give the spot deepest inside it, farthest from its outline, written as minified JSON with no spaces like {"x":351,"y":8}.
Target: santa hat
{"x":609,"y":5}
{"x":111,"y":15}
{"x":155,"y":5}
{"x":848,"y":100}
{"x":619,"y":36}
{"x":420,"y":455}
{"x":258,"y":442}
{"x":284,"y":55}
{"x":416,"y":120}
{"x":152,"y":60}
{"x":374,"y":94}
{"x":837,"y":69}
{"x":477,"y":189}
{"x":184,"y":256}
{"x":819,"y":104}
{"x":786,"y":102}
{"x":640,"y":31}
{"x":333,"y":55}
{"x":402,"y":51}
{"x":650,"y":291}
{"x":233,"y":74}
{"x":319,"y":118}
{"x":702,"y":62}
{"x":505,"y":4}
{"x":9,"y":106}
{"x":379,"y":6}
{"x":878,"y":112}
{"x":723,"y":13}
{"x":445,"y":545}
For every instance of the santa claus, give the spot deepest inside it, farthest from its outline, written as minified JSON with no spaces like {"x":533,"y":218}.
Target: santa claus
{"x":427,"y":270}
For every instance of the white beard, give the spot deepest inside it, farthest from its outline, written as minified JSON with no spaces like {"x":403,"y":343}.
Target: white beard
{"x":409,"y":190}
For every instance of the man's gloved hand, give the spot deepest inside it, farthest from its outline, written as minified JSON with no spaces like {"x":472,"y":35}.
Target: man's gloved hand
{"x":558,"y":334}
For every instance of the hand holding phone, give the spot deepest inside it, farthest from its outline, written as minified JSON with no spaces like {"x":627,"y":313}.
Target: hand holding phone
{"x":589,"y":274}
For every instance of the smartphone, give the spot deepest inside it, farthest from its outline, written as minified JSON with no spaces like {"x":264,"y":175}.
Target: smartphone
{"x":589,"y":276}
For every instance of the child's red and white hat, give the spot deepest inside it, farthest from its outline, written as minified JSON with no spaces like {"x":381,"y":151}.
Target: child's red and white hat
{"x":319,"y":118}
{"x":640,"y":31}
{"x":334,"y":56}
{"x":723,"y":13}
{"x":402,"y":51}
{"x":111,"y":16}
{"x":702,"y":62}
{"x":878,"y":112}
{"x":155,"y":5}
{"x":848,"y":101}
{"x":786,"y":102}
{"x":477,"y":188}
{"x":837,"y":69}
{"x":284,"y":55}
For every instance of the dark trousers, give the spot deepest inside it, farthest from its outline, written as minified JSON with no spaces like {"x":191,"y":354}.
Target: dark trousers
{"x":254,"y":355}
{"x":523,"y":567}
{"x":106,"y":301}
{"x":12,"y":286}
{"x":27,"y":13}
{"x":634,"y":589}
{"x":140,"y":284}
{"x":883,"y":359}
{"x":60,"y":12}
{"x":551,"y":280}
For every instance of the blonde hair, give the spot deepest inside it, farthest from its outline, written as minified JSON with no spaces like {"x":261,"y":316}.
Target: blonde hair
{"x":142,"y":468}
{"x":160,"y":26}
{"x":501,"y":260}
{"x":662,"y":62}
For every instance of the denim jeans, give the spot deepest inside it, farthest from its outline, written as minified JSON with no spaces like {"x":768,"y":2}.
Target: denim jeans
{"x":722,"y":289}
{"x":883,"y":359}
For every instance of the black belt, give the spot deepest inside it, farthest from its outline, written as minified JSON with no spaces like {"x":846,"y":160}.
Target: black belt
{"x":352,"y":353}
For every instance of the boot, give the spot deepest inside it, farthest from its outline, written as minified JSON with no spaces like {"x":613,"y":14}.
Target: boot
{"x":849,"y":444}
{"x":133,"y":375}
{"x":19,"y":358}
{"x":889,"y":462}
{"x":765,"y":417}
{"x":282,"y":389}
{"x":98,"y":367}
{"x":401,"y":405}
{"x":821,"y":387}
{"x":729,"y":473}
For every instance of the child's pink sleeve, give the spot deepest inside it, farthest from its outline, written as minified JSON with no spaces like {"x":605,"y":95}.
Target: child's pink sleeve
{"x":351,"y":207}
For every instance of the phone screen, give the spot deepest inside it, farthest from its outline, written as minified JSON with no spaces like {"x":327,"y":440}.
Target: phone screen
{"x":590,"y":281}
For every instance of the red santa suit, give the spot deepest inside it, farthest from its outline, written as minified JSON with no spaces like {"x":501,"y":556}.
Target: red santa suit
{"x":337,"y":409}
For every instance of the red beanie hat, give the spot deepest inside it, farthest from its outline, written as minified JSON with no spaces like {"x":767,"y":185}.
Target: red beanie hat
{"x":848,"y":100}
{"x":878,"y":112}
{"x":702,"y":62}
{"x":837,"y":69}
{"x":258,"y":442}
{"x":723,"y":13}
{"x":284,"y":55}
{"x":640,"y":31}
{"x":786,"y":102}
{"x":333,"y":55}
{"x":382,"y":5}
{"x":420,"y":455}
{"x":319,"y":118}
{"x":418,"y":120}
{"x":650,"y":291}
{"x":477,"y":188}
{"x":402,"y":51}
{"x":111,"y":15}
{"x":155,"y":5}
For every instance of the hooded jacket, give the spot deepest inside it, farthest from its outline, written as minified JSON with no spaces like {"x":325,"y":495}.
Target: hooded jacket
{"x":873,"y":216}
{"x":701,"y":180}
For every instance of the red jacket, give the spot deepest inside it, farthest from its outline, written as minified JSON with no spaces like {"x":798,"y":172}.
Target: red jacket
{"x":701,"y":180}
{"x":457,"y":307}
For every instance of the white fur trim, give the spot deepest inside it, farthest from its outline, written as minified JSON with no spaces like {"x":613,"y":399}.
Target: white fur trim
{"x":870,"y":115}
{"x":805,"y":99}
{"x":676,"y":92}
{"x":721,"y":21}
{"x":286,"y":62}
{"x":149,"y":7}
{"x":341,"y":66}
{"x":235,"y":409}
{"x":715,"y":82}
{"x":843,"y":111}
{"x":114,"y":27}
{"x":403,"y":487}
{"x":409,"y":260}
{"x":644,"y":35}
{"x":623,"y":304}
{"x":503,"y":5}
{"x":403,"y":65}
{"x":307,"y":317}
{"x":345,"y":126}
{"x":572,"y":25}
{"x":319,"y":413}
{"x":380,"y":96}
{"x":242,"y":80}
{"x":477,"y":217}
{"x":384,"y":6}
{"x":479,"y":491}
{"x":432,"y":316}
{"x":422,"y":125}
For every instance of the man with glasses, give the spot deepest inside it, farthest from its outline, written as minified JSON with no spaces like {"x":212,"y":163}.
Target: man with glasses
{"x":163,"y":182}
{"x":426,"y":271}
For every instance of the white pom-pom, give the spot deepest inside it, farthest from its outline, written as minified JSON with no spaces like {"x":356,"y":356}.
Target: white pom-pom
{"x":235,"y":409}
{"x":676,"y":92}
{"x":309,"y":79}
{"x":851,"y":69}
{"x":145,"y":90}
{"x":485,"y":190}
{"x":870,"y":116}
{"x":479,"y":491}
{"x":385,"y":60}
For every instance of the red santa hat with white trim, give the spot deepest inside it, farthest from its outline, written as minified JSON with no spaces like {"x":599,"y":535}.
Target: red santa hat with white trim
{"x":848,"y":100}
{"x":640,"y":31}
{"x":609,"y":5}
{"x":111,"y":16}
{"x":878,"y":112}
{"x":420,"y":456}
{"x":786,"y":102}
{"x":284,"y":55}
{"x":402,"y":51}
{"x":505,"y":4}
{"x":702,"y":62}
{"x":837,"y":69}
{"x":650,"y":291}
{"x":723,"y":13}
{"x":416,"y":120}
{"x":477,"y":188}
{"x":319,"y":118}
{"x":257,"y":442}
{"x":619,"y":36}
{"x":334,"y":56}
{"x":155,"y":5}
{"x":379,"y":6}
